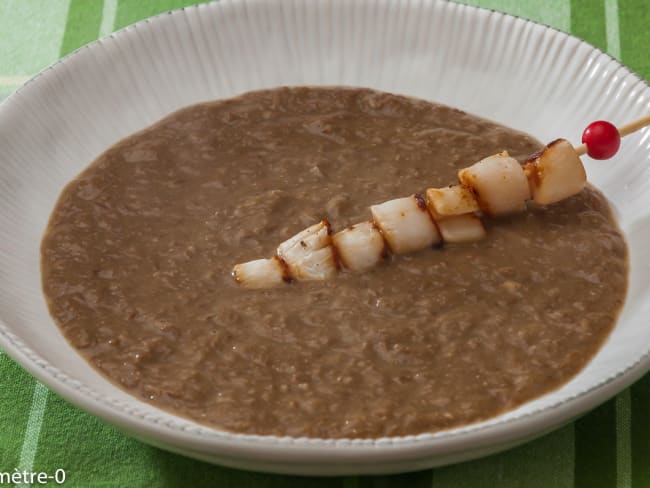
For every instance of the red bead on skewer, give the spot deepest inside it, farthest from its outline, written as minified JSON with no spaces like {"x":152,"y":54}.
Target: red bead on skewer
{"x":601,"y":139}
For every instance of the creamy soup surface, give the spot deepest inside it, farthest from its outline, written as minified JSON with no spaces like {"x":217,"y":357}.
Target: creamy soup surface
{"x":137,"y":257}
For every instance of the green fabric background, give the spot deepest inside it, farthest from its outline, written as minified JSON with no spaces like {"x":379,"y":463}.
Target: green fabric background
{"x":39,"y":431}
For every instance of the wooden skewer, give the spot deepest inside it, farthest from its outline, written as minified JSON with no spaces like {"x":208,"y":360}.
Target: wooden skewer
{"x":623,"y":131}
{"x":634,"y":126}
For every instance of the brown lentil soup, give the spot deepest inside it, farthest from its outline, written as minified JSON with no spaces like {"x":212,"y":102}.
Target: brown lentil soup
{"x":137,"y":257}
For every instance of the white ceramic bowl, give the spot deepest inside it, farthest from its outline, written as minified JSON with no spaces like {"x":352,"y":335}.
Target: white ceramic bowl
{"x":516,"y":72}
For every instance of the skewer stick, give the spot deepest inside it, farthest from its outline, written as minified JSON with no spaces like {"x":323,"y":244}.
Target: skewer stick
{"x":581,"y":150}
{"x":623,"y":131}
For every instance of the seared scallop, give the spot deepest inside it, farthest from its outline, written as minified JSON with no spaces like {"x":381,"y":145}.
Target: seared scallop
{"x":499,"y":183}
{"x":461,"y":228}
{"x":452,"y":200}
{"x":308,"y":254}
{"x":360,"y":246}
{"x":556,"y":173}
{"x":317,"y":265}
{"x":314,"y":237}
{"x":406,"y":224}
{"x":260,"y":273}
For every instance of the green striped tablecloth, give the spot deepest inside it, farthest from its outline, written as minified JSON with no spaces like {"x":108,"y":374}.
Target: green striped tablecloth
{"x":40,"y":432}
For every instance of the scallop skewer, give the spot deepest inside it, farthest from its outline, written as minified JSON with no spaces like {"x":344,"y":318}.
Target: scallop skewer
{"x":494,"y":186}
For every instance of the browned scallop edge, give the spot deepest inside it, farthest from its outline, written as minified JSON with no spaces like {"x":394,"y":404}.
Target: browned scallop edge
{"x":328,"y":226}
{"x":422,"y":205}
{"x":335,"y":252}
{"x":387,"y":251}
{"x":286,"y":272}
{"x":469,"y":189}
{"x":534,"y":173}
{"x":536,"y":155}
{"x":485,"y":208}
{"x":336,"y":255}
{"x":233,"y":273}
